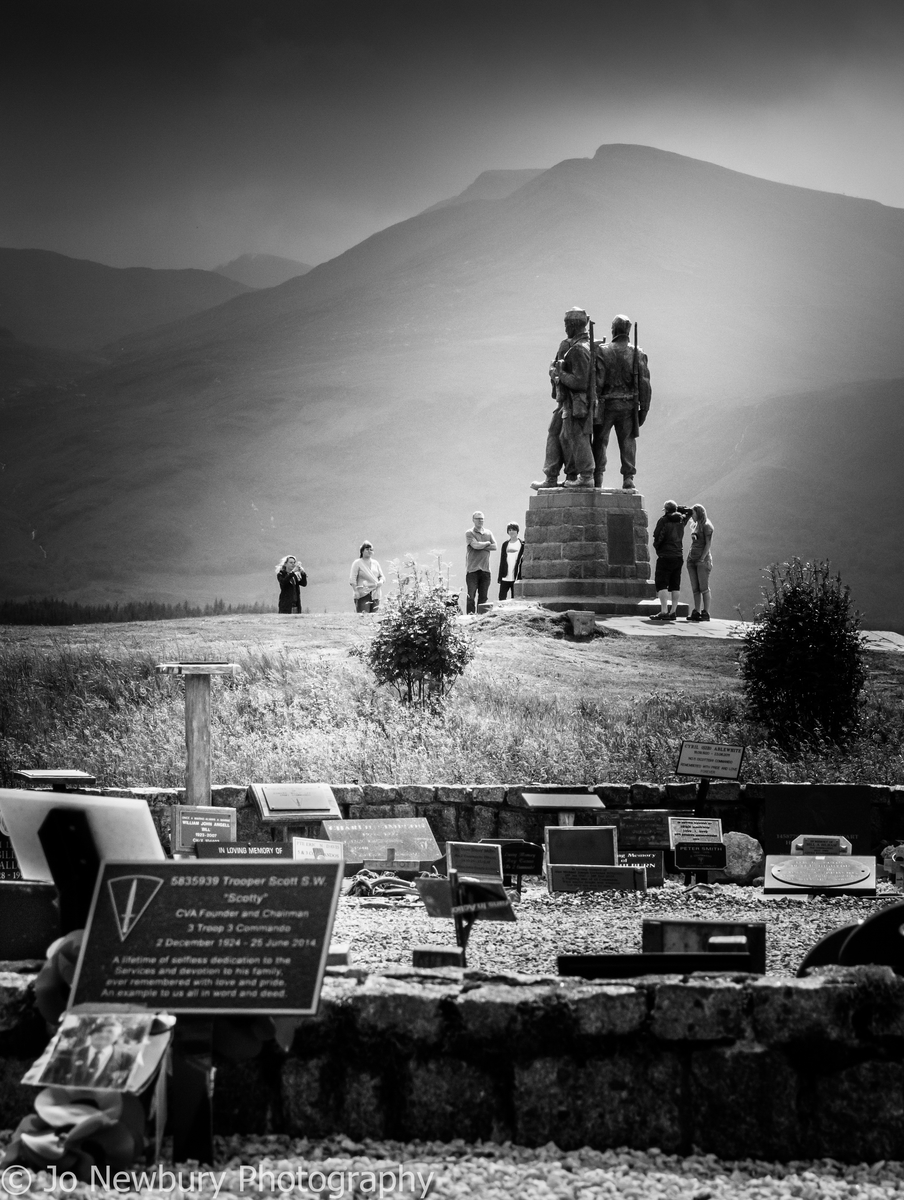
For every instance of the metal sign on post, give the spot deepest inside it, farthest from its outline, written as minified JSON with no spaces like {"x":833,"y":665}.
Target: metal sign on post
{"x":709,"y":760}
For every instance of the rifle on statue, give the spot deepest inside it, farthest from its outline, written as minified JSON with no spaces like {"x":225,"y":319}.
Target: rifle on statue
{"x":635,"y":416}
{"x":591,"y":377}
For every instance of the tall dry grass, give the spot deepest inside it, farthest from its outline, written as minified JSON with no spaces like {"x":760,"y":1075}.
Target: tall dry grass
{"x":297,"y":716}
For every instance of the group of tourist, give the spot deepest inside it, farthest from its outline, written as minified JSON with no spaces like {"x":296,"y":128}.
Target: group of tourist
{"x":480,"y":543}
{"x":668,"y":542}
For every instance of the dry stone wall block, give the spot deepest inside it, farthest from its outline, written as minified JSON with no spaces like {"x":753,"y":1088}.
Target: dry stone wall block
{"x":709,"y":1010}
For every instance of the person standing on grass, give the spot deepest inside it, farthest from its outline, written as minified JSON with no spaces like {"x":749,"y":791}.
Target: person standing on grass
{"x":510,"y":557}
{"x":366,"y":579}
{"x":700,"y":563}
{"x":291,"y":577}
{"x":667,"y":542}
{"x":479,"y":542}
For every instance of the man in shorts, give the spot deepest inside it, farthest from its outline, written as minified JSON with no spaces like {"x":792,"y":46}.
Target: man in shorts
{"x":668,"y":543}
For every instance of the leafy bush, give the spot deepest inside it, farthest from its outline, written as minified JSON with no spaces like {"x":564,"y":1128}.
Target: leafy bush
{"x":419,"y":648}
{"x":803,"y":661}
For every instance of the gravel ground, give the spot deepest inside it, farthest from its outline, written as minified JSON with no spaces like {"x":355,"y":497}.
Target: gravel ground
{"x":305,"y":1169}
{"x":382,"y":932}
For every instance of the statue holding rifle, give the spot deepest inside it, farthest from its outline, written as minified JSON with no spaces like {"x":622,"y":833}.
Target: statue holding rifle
{"x":571,"y":428}
{"x":623,"y":392}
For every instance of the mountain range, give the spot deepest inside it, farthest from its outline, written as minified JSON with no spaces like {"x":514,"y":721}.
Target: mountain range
{"x":262,"y":270}
{"x":388,"y":392}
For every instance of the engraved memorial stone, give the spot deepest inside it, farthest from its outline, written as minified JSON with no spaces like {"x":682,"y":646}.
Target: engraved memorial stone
{"x":652,"y":861}
{"x":191,"y":823}
{"x":841,"y":874}
{"x":820,"y":809}
{"x":478,"y":859}
{"x":644,"y":828}
{"x":209,"y":936}
{"x":572,"y":878}
{"x":399,"y":842}
{"x":582,"y":845}
{"x":243,"y":850}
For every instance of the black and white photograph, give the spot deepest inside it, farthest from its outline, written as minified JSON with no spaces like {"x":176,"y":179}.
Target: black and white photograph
{"x":448,"y":443}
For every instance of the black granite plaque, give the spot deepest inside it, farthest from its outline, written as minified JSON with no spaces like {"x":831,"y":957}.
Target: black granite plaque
{"x":29,"y":919}
{"x":518,"y":857}
{"x":817,"y":808}
{"x":386,"y":843}
{"x":571,"y":878}
{"x":209,"y":937}
{"x":621,"y":540}
{"x":644,"y":828}
{"x":689,"y":936}
{"x":653,"y":862}
{"x":700,"y":856}
{"x":582,"y":845}
{"x":9,"y":864}
{"x":243,"y":850}
{"x":192,"y":823}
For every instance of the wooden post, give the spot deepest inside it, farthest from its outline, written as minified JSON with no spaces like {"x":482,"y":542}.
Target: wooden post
{"x":197,"y":739}
{"x":197,"y":723}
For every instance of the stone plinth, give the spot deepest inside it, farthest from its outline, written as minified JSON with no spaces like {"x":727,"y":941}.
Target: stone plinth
{"x":587,"y":549}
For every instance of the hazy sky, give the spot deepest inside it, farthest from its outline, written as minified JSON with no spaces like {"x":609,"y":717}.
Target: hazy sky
{"x":150,"y":133}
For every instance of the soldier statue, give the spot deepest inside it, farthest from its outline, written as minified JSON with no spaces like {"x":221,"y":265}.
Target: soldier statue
{"x":623,"y":400}
{"x":571,"y":428}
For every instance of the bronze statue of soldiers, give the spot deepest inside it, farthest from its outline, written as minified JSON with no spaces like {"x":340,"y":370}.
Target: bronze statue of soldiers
{"x":570,"y":430}
{"x":623,"y":400}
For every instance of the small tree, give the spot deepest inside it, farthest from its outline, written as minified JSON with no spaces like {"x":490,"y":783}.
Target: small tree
{"x":803,"y":661}
{"x":419,"y":648}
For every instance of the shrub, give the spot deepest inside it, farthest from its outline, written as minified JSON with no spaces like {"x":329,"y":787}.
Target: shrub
{"x":419,"y":648}
{"x":803,"y":661}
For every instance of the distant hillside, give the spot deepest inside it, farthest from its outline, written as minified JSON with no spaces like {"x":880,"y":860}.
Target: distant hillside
{"x":387,"y":393}
{"x":72,"y":304}
{"x":491,"y":185}
{"x":25,"y":368}
{"x":262,"y":270}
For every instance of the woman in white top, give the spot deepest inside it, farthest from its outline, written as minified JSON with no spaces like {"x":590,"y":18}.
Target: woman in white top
{"x":510,"y":561}
{"x":700,"y":563}
{"x":366,"y":579}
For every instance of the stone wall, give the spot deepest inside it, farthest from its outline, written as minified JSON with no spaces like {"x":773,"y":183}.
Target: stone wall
{"x":467,"y":813}
{"x":739,"y":1066}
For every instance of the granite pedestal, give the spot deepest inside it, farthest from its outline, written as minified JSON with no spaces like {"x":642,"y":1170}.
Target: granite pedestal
{"x":587,"y":549}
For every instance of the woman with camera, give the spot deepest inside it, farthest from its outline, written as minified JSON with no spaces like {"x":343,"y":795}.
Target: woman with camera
{"x":700,"y":563}
{"x":291,"y":577}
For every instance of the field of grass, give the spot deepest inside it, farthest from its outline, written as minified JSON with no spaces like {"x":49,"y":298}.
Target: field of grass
{"x":532,"y":707}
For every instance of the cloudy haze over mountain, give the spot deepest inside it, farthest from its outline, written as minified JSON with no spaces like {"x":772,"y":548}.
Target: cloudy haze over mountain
{"x":184,"y":133}
{"x":442,"y":168}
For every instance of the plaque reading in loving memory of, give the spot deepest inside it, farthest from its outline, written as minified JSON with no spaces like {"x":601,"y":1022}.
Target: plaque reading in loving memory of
{"x":653,"y":862}
{"x":209,"y":936}
{"x":243,"y":850}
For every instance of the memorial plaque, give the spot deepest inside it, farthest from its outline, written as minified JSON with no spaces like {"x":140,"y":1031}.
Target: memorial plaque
{"x":209,"y":937}
{"x":190,"y":823}
{"x":518,"y":857}
{"x":653,"y":862}
{"x":9,"y":864}
{"x":694,"y":829}
{"x":243,"y":850}
{"x":572,"y":878}
{"x":710,"y":760}
{"x":581,"y":845}
{"x":630,"y":966}
{"x":700,"y":856}
{"x":478,"y":859}
{"x":395,"y":842}
{"x":814,"y":843}
{"x":29,"y":919}
{"x":644,"y":828}
{"x":291,"y":803}
{"x":315,"y":848}
{"x":483,"y":900}
{"x":690,"y":936}
{"x":620,"y":539}
{"x":120,"y":827}
{"x":820,"y":809}
{"x":557,"y":801}
{"x":841,"y":874}
{"x":437,"y":956}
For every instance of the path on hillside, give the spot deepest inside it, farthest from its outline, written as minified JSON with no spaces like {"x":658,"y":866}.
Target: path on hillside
{"x":643,"y":627}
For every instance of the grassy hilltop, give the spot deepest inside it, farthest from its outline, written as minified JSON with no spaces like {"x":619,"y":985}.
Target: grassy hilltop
{"x":533,"y":706}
